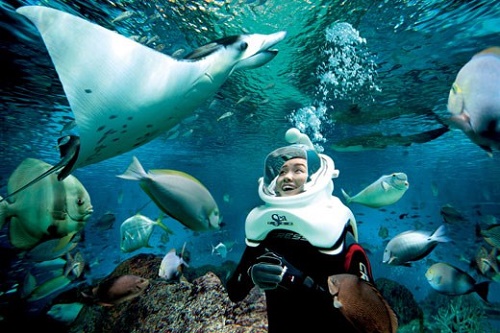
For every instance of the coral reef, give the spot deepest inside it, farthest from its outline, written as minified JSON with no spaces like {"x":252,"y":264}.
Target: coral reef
{"x":402,"y":302}
{"x":461,"y":314}
{"x":198,"y":306}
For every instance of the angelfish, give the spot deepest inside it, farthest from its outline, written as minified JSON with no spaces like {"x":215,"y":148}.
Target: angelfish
{"x":147,"y":92}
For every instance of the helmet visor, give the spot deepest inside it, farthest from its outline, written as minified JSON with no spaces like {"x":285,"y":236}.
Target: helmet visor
{"x":275,"y":160}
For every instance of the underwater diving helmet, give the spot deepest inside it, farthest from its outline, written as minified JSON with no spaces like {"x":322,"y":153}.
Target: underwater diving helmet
{"x":314,"y":213}
{"x":321,"y":169}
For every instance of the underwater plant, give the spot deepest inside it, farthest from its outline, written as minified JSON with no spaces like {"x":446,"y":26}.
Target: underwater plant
{"x":462,"y":314}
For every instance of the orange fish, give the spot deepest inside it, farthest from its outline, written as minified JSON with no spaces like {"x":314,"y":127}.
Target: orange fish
{"x":362,"y":304}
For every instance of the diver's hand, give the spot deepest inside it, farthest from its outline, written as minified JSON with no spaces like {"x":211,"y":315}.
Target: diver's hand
{"x":267,"y":272}
{"x":272,"y":271}
{"x":266,"y":276}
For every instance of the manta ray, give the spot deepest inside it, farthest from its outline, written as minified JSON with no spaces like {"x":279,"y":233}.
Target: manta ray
{"x":124,"y":94}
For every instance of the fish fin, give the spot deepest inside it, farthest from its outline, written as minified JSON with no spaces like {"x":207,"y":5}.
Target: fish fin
{"x":69,"y":154}
{"x":135,"y":171}
{"x":439,"y":235}
{"x":336,"y":303}
{"x":386,"y":186}
{"x":63,"y":241}
{"x":4,"y":206}
{"x":175,"y":173}
{"x":47,"y":173}
{"x":19,"y":237}
{"x":347,"y":198}
{"x":163,"y":226}
{"x":482,"y":290}
{"x":392,"y":315}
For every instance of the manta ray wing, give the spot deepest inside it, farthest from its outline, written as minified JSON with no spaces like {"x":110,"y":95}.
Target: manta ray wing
{"x":124,"y":94}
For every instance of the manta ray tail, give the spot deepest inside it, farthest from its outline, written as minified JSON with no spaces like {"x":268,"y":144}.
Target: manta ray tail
{"x":69,"y":147}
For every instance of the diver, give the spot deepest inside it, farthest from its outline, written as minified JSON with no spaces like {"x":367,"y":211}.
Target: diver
{"x":300,"y":236}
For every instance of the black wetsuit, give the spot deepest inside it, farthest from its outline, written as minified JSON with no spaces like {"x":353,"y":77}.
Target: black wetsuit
{"x":301,"y":308}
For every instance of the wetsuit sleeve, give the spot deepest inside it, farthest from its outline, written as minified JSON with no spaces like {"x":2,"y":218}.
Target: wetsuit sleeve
{"x":356,"y":261}
{"x":240,"y":283}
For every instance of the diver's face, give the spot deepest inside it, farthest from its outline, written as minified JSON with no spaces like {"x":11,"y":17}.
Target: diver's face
{"x":292,"y":177}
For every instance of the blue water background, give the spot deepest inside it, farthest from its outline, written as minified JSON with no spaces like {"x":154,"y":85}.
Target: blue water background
{"x":411,"y":53}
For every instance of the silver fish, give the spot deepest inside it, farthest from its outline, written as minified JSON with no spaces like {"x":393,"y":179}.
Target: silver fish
{"x":171,"y":265}
{"x":220,"y":250}
{"x":74,"y":265}
{"x":136,"y":231}
{"x":412,"y":245}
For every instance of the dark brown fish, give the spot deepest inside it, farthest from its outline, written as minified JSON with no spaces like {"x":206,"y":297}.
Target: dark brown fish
{"x":119,"y":289}
{"x":362,"y":304}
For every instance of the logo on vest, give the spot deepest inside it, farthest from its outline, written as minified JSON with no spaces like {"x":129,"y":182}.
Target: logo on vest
{"x":278,"y":220}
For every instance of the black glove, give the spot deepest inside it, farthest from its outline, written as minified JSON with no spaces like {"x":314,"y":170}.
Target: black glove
{"x":272,"y":270}
{"x":267,"y":272}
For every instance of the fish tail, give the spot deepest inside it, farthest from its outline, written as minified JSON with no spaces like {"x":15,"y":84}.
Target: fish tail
{"x":482,"y":289}
{"x":346,"y":196}
{"x":163,"y":226}
{"x":439,"y":234}
{"x":135,"y":171}
{"x":3,"y":211}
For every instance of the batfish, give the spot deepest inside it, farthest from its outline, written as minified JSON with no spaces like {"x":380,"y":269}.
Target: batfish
{"x":48,"y":209}
{"x":386,"y":190}
{"x":124,"y":94}
{"x":474,"y":99}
